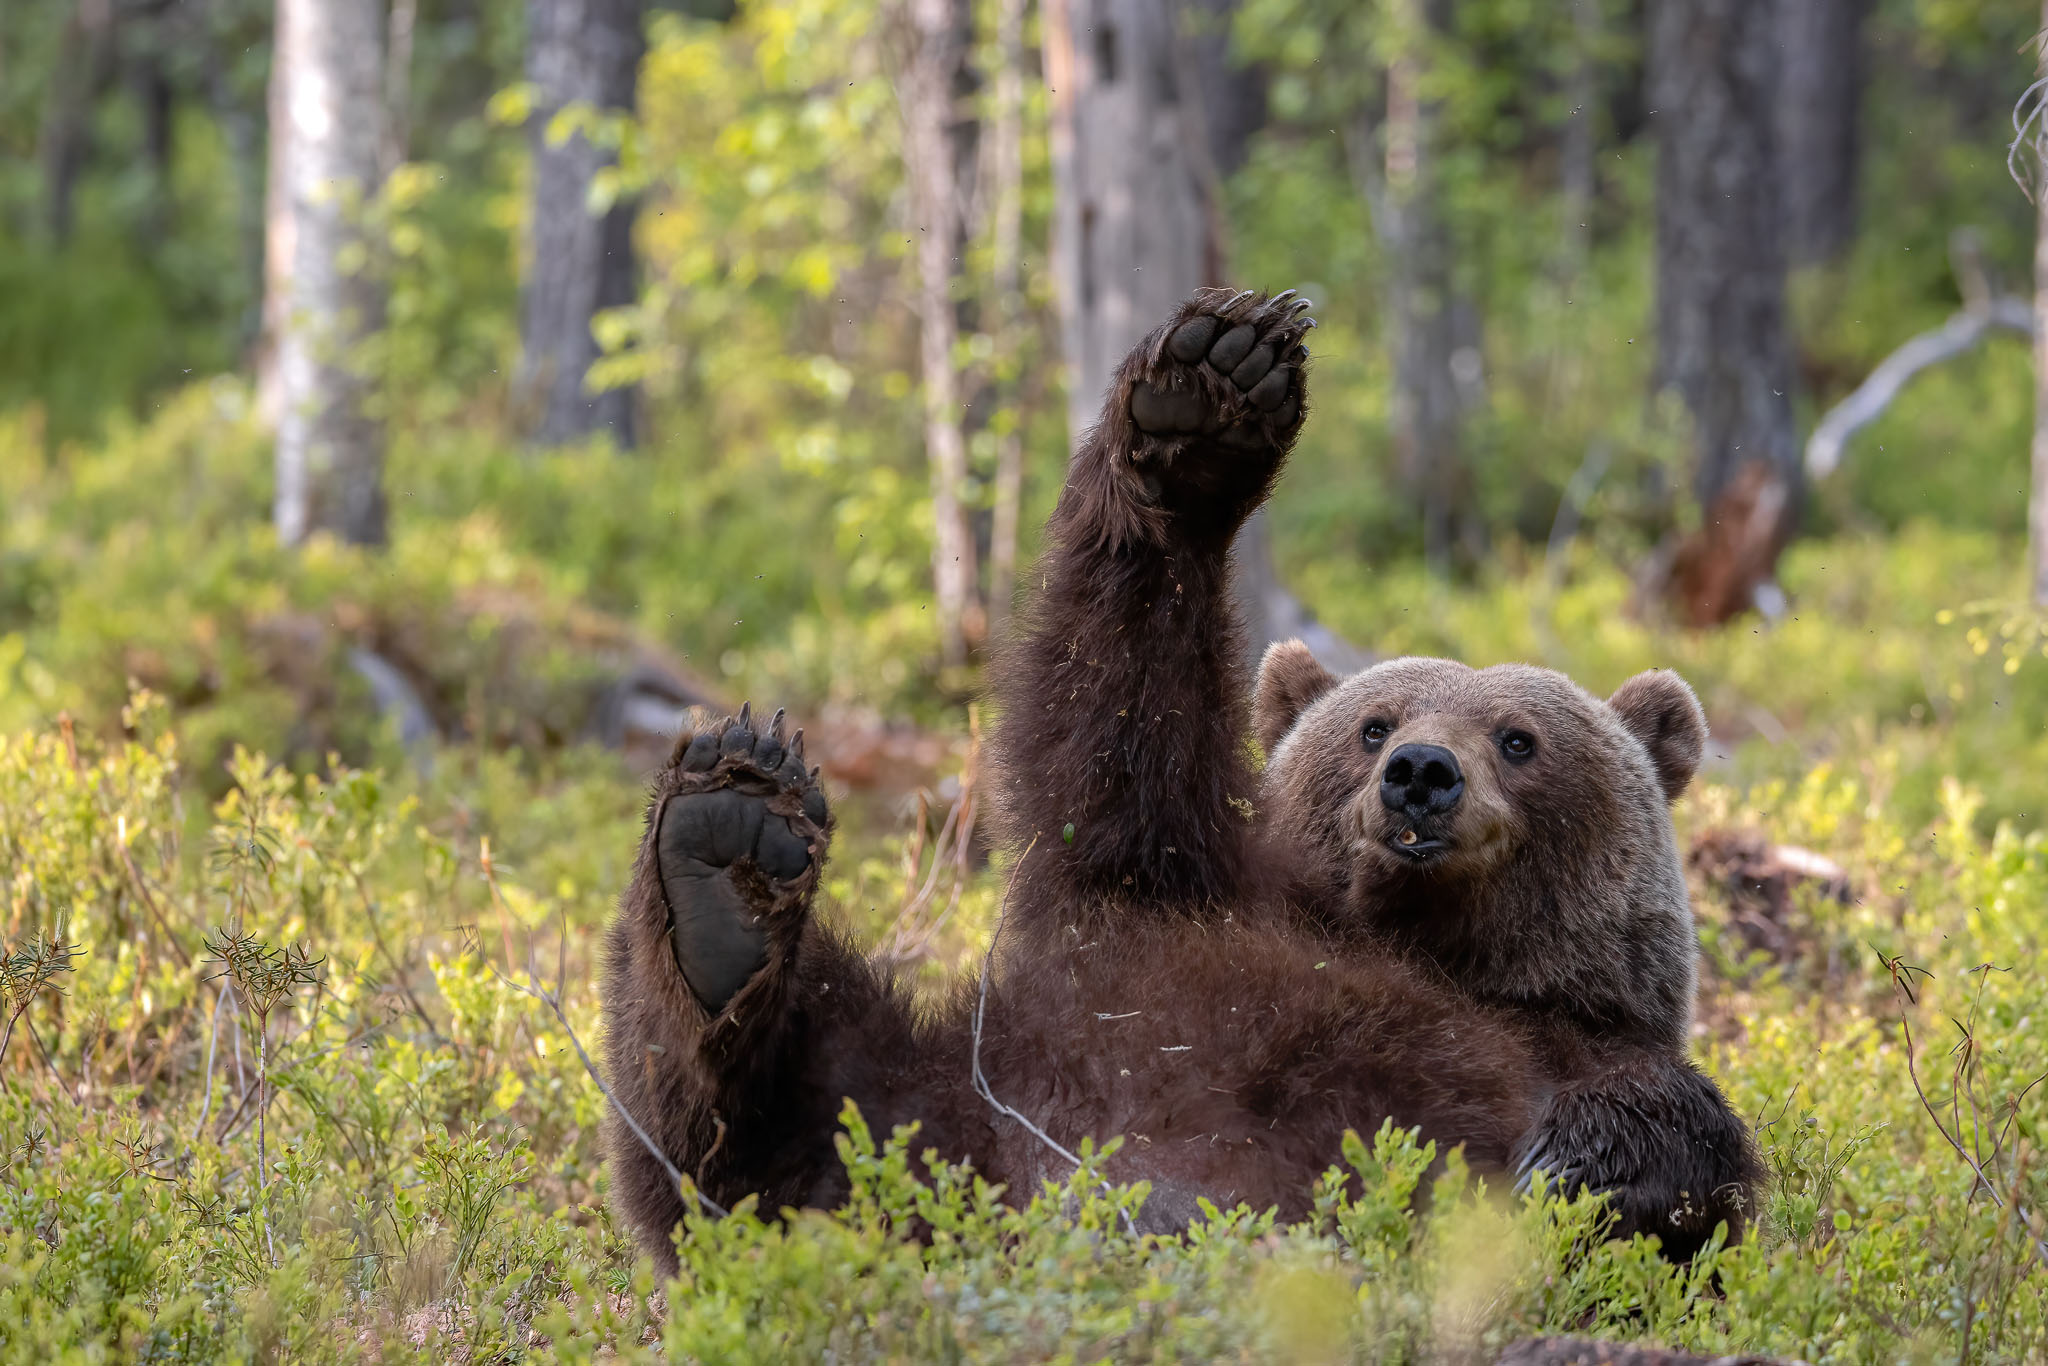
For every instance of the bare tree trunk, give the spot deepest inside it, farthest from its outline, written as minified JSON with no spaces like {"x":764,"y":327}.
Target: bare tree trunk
{"x":1576,"y":172}
{"x":242,"y":130}
{"x":577,"y":52}
{"x":1722,"y":339}
{"x":85,"y":57}
{"x":1134,"y":227}
{"x":2037,"y":507}
{"x":1435,"y":356}
{"x":398,"y":84}
{"x":1006,"y":240}
{"x":1148,"y":114}
{"x":327,"y":94}
{"x":1820,"y":93}
{"x":937,"y":38}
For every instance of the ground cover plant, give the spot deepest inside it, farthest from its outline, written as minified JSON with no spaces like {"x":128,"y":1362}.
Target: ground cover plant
{"x":297,"y":985}
{"x":292,"y":1066}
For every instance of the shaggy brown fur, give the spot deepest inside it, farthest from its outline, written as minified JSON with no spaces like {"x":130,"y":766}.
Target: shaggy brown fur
{"x":1540,"y":876}
{"x":1157,"y":976}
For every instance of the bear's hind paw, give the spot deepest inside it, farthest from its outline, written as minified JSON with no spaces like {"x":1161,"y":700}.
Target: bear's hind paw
{"x":741,"y":829}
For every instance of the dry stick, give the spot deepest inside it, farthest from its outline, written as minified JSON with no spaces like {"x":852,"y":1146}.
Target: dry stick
{"x":5,"y":1039}
{"x":212,"y":1043}
{"x":262,"y":1132}
{"x":2019,"y":132}
{"x":397,"y":968}
{"x":142,"y":891}
{"x":2040,"y":1245}
{"x":907,"y":940}
{"x":980,"y":1077}
{"x":51,"y":1063}
{"x":553,"y":1002}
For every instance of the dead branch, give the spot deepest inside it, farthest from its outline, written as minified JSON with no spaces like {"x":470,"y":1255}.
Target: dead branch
{"x":553,"y":1001}
{"x":980,"y":1078}
{"x":1982,"y":312}
{"x":1976,"y":1161}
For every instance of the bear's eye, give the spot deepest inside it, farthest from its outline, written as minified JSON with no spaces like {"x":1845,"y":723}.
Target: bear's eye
{"x":1518,"y":745}
{"x":1376,"y":733}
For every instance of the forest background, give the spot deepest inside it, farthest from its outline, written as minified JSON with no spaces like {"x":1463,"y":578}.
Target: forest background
{"x":411,"y":413}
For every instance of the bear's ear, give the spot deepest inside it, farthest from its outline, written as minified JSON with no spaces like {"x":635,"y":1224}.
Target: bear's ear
{"x":1660,"y":710}
{"x":1289,"y":679}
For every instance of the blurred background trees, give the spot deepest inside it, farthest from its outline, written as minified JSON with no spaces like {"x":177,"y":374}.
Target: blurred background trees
{"x":848,"y":278}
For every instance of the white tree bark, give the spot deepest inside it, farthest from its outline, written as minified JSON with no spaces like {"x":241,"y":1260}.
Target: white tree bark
{"x":939,"y":31}
{"x":322,"y":301}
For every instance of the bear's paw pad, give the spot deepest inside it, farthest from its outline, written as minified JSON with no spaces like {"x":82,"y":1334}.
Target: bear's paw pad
{"x":1230,"y":367}
{"x":740,"y":832}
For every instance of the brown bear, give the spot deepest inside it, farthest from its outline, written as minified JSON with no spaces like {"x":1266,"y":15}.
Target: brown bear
{"x":1510,"y":831}
{"x":1229,"y":994}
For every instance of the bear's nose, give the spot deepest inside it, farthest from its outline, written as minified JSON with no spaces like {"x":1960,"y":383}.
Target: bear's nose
{"x":1422,"y":780}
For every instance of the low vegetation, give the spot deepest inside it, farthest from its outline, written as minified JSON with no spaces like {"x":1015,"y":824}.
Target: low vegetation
{"x":293,"y":1050}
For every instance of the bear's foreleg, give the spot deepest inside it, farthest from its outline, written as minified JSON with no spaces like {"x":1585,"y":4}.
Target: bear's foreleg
{"x":1657,"y":1135}
{"x":1122,"y":741}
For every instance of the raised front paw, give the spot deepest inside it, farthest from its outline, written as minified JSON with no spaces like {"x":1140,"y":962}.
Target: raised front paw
{"x":1217,"y":396}
{"x":741,"y":833}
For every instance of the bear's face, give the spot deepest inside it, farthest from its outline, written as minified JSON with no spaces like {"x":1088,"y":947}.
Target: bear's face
{"x":1505,"y":821}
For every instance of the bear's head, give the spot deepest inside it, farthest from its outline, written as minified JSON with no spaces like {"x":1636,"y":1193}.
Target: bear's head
{"x":1503,"y":823}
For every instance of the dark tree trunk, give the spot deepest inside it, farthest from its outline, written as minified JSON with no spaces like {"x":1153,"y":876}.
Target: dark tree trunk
{"x":85,"y":63}
{"x":1433,"y":326}
{"x":1421,"y":297}
{"x":1820,"y":95}
{"x":326,"y":102}
{"x":1149,"y":112}
{"x":1722,"y":342}
{"x":1578,"y":178}
{"x":578,"y":52}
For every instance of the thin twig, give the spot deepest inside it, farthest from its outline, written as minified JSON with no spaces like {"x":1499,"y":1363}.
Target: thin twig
{"x":980,"y":1077}
{"x":212,"y":1043}
{"x":553,"y":1001}
{"x":398,"y":973}
{"x":142,"y":891}
{"x":1954,"y":1141}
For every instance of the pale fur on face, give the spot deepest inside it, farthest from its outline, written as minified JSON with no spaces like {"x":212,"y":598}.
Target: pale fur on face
{"x":1558,"y":884}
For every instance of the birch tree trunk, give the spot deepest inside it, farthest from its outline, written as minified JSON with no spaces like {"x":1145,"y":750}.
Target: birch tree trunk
{"x":1006,"y":156}
{"x":938,"y":36}
{"x":323,"y":302}
{"x":2037,"y":506}
{"x":577,"y":52}
{"x":1820,"y":94}
{"x":1722,"y":338}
